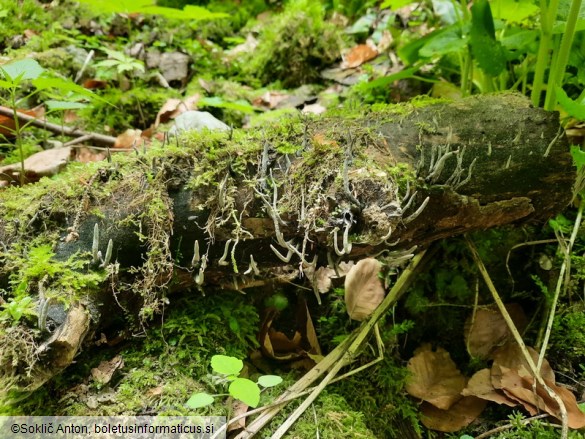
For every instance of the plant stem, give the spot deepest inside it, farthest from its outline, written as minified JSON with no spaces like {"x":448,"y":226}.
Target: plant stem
{"x":547,"y":17}
{"x":562,"y":57}
{"x":17,"y":132}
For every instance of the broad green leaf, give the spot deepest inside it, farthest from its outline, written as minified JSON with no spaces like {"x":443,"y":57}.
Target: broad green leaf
{"x":3,"y":13}
{"x":578,"y":156}
{"x":522,"y":40}
{"x":386,"y":80}
{"x":117,"y":6}
{"x":199,"y":400}
{"x":514,"y":11}
{"x":45,"y":82}
{"x":226,"y":365}
{"x":482,"y":19}
{"x":269,"y":380}
{"x":65,"y":85}
{"x":395,"y":4}
{"x":489,"y":53}
{"x":246,"y":391}
{"x":64,"y":105}
{"x":28,"y":68}
{"x":573,"y":108}
{"x":409,"y":53}
{"x":449,"y":41}
{"x":189,"y":12}
{"x":107,"y":63}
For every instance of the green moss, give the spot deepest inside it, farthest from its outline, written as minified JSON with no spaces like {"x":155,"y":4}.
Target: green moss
{"x":162,"y":370}
{"x":120,"y":110}
{"x":295,"y":46}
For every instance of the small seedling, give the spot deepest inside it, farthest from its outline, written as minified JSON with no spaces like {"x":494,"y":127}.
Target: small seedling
{"x":228,"y":368}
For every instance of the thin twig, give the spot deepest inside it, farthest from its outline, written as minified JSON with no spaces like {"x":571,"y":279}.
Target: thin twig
{"x":100,"y":139}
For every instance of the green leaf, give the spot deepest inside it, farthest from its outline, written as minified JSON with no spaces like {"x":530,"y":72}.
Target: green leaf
{"x":395,"y":4}
{"x":45,"y":82}
{"x":199,"y":400}
{"x":409,"y":53}
{"x":514,"y":11}
{"x":489,"y":53}
{"x":116,"y":6}
{"x":482,"y":19}
{"x":578,"y":156}
{"x":189,"y":12}
{"x":28,"y":68}
{"x":64,"y":105}
{"x":269,"y":380}
{"x":450,"y":41}
{"x":246,"y":391}
{"x":226,"y":365}
{"x":573,"y":108}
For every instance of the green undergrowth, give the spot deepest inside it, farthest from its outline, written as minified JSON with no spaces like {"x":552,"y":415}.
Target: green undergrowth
{"x":295,"y":46}
{"x":171,"y":362}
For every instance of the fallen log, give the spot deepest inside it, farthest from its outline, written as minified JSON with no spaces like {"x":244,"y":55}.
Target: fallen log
{"x":242,"y":209}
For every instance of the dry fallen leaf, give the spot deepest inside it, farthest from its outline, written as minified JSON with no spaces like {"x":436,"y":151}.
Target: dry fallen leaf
{"x":128,"y":139}
{"x":363,"y":289}
{"x":535,"y":396}
{"x":434,"y":377}
{"x":511,"y":357}
{"x":358,"y":55}
{"x":279,"y":346}
{"x":489,"y":329}
{"x":106,"y":369}
{"x":270,"y":99}
{"x":42,"y":164}
{"x":459,"y":416}
{"x":173,"y":107}
{"x":480,"y":385}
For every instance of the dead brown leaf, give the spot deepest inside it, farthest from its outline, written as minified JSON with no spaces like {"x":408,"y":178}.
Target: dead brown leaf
{"x":480,"y":385}
{"x":434,"y":377}
{"x":270,"y":99}
{"x":42,"y":164}
{"x":489,"y":329}
{"x":173,"y":107}
{"x":277,"y":345}
{"x":363,"y":289}
{"x":106,"y":369}
{"x":531,"y":395}
{"x":511,"y":357}
{"x":128,"y":139}
{"x":358,"y":55}
{"x":459,"y":416}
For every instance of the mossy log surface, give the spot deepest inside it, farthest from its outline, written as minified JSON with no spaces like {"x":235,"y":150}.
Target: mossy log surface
{"x":317,"y":191}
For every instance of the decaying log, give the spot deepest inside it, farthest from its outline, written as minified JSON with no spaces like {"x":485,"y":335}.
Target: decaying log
{"x":239,"y":210}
